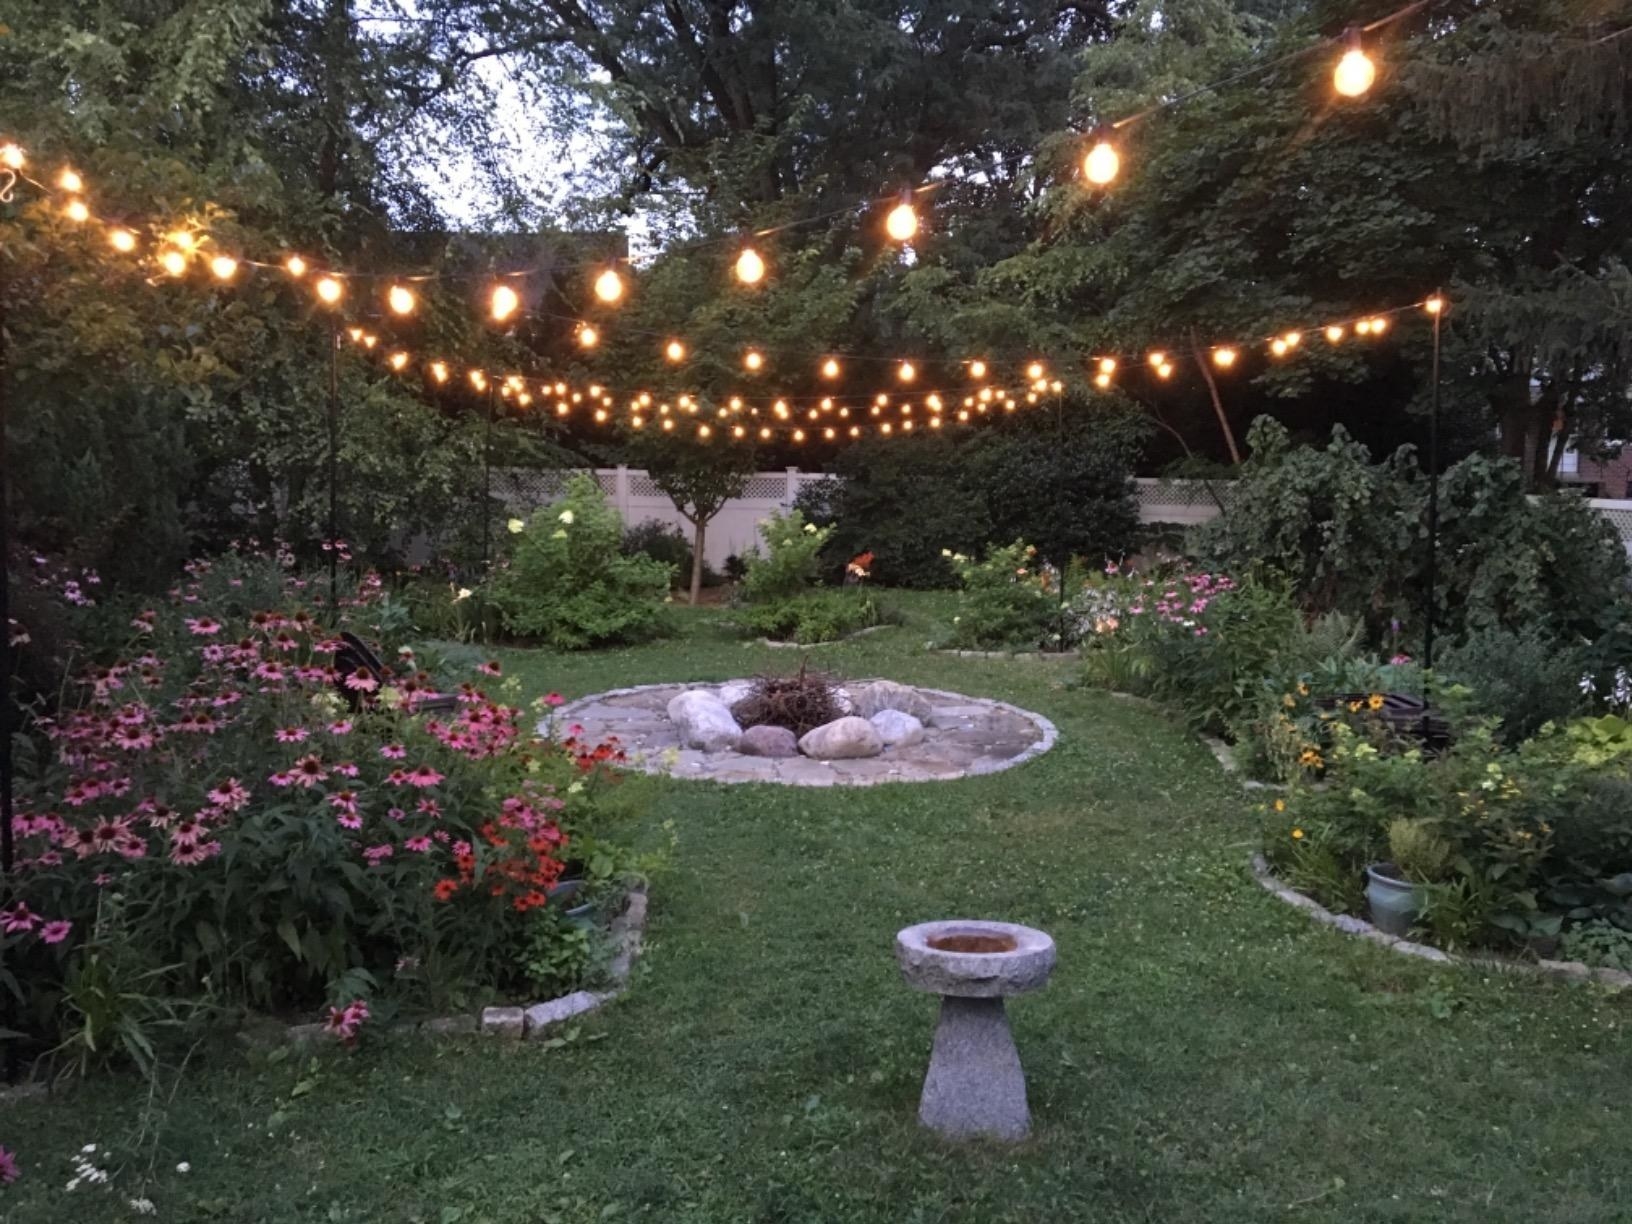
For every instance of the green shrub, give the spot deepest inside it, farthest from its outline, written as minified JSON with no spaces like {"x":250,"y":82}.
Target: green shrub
{"x":666,"y":543}
{"x":1523,"y":677}
{"x":567,"y":583}
{"x":789,"y":564}
{"x":1596,"y":942}
{"x":1009,"y":601}
{"x":816,"y":616}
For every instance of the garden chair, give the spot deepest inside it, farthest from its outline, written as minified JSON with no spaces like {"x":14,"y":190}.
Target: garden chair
{"x":355,"y":656}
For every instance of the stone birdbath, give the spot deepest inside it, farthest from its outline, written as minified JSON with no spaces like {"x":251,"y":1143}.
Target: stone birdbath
{"x":975,"y":1087}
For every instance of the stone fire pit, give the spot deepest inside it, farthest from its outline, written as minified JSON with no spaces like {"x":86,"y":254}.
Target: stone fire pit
{"x":975,"y":1087}
{"x":889,"y":732}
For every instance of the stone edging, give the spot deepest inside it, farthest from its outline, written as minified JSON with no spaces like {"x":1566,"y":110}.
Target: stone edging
{"x":1050,"y":733}
{"x":1038,"y":655}
{"x":775,"y":645}
{"x":1573,"y":971}
{"x":534,"y":1019}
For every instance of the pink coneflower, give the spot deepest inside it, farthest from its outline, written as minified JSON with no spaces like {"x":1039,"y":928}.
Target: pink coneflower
{"x":55,"y":932}
{"x":393,"y":752}
{"x":349,"y":818}
{"x":18,"y":918}
{"x":417,"y":845}
{"x":490,"y":668}
{"x":132,"y":738}
{"x":203,"y":626}
{"x":362,"y":682}
{"x":290,"y":735}
{"x":230,"y":795}
{"x":191,"y":854}
{"x":347,"y":769}
{"x":279,"y":779}
{"x":308,"y":771}
{"x":397,"y":814}
{"x":9,"y":1172}
{"x":213,"y":653}
{"x":423,"y":776}
{"x":428,"y":807}
{"x":554,"y":699}
{"x":378,"y":854}
{"x":343,"y":727}
{"x":397,"y":777}
{"x":269,"y":671}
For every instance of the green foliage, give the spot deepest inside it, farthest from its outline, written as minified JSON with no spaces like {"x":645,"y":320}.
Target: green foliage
{"x":1600,"y":943}
{"x":788,"y":566}
{"x":1350,"y":534}
{"x":665,"y":543}
{"x":559,"y":955}
{"x":1525,"y":678}
{"x":567,"y":583}
{"x":1417,"y":850}
{"x":1008,"y":601}
{"x":815,"y":616}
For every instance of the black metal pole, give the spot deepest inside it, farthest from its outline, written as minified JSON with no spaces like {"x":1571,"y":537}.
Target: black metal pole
{"x":1433,"y":508}
{"x":334,"y":446}
{"x":8,"y":698}
{"x":487,"y":482}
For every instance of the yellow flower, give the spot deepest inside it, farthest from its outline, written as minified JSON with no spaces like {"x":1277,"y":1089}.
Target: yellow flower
{"x":566,"y":517}
{"x":1309,"y":758}
{"x":1289,"y":701}
{"x":1280,"y":805}
{"x":1297,"y":834}
{"x":516,"y":526}
{"x":560,"y":533}
{"x":1375,"y":701}
{"x":1354,"y":707}
{"x":1303,"y":689}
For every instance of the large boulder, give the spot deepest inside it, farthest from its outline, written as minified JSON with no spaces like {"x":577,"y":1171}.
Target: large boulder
{"x":842,"y":739}
{"x":897,"y":729}
{"x":768,"y":741}
{"x":869,"y":699}
{"x":734,"y":691}
{"x":704,"y":722}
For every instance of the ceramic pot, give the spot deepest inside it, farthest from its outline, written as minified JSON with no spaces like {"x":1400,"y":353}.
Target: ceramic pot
{"x":1395,"y":903}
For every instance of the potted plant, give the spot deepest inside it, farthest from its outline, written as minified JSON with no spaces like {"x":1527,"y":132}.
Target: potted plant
{"x":1395,"y":889}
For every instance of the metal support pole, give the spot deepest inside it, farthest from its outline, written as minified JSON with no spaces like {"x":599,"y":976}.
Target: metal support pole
{"x":1433,"y":512}
{"x":487,"y":482}
{"x":8,"y":697}
{"x":334,"y":446}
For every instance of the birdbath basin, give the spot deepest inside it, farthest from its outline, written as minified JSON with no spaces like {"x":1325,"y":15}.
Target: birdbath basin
{"x":975,"y":1087}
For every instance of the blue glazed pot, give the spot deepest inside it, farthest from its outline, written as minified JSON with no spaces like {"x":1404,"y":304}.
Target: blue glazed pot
{"x":1396,"y":903}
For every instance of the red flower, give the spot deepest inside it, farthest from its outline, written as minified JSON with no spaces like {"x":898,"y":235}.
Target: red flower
{"x":445,"y":889}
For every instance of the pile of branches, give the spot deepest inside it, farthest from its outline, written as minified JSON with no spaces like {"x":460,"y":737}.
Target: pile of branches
{"x":800,"y":702}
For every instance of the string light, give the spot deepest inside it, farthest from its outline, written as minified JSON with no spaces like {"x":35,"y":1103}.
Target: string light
{"x":439,"y":371}
{"x":1102,"y":163}
{"x":1164,"y":370}
{"x":1278,"y":346}
{"x":609,"y":286}
{"x":295,"y":266}
{"x":902,"y":222}
{"x":1363,"y":327}
{"x":1355,"y":72}
{"x":399,"y":360}
{"x":504,"y":303}
{"x":977,"y":369}
{"x":588,"y":337}
{"x":750,"y":267}
{"x":1334,"y":333}
{"x":830,"y":368}
{"x":330,"y":290}
{"x":1035,"y":371}
{"x":401,"y":299}
{"x":1107,"y":365}
{"x":224,"y":267}
{"x":675,"y":351}
{"x":1379,"y":325}
{"x":753,"y":360}
{"x":12,"y":157}
{"x":906,"y":371}
{"x":122,"y":240}
{"x":77,"y":212}
{"x":70,"y":181}
{"x":173,"y":262}
{"x":1434,"y":305}
{"x":1292,"y":339}
{"x":1102,"y":380}
{"x":1224,"y":357}
{"x":1157,"y":359}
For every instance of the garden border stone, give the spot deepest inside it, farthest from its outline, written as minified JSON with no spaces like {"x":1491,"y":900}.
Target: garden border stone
{"x":801,"y":771}
{"x":1030,"y":655}
{"x":1574,"y":971}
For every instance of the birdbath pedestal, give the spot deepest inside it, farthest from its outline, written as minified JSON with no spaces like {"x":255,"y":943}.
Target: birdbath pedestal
{"x":975,"y":1087}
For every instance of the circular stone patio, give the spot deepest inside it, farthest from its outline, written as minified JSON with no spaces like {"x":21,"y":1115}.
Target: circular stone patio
{"x":963,"y":737}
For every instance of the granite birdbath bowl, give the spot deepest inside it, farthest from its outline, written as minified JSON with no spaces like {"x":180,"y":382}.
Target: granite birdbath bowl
{"x":975,"y":1088}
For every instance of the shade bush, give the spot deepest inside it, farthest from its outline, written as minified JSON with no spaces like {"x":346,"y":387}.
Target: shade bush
{"x":568,"y":584}
{"x":788,"y":565}
{"x":815,"y":616}
{"x":1009,"y":601}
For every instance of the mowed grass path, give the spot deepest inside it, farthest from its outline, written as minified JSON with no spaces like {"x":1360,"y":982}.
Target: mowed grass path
{"x":1203,"y":1053}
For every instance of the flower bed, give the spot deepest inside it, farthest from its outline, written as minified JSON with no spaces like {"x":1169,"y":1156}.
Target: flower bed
{"x":223,"y":817}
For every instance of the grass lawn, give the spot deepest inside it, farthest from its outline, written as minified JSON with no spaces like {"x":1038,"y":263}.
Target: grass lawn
{"x":1203,"y":1053}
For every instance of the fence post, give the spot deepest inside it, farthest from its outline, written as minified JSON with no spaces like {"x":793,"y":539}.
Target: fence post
{"x":620,"y":494}
{"x":793,"y":486}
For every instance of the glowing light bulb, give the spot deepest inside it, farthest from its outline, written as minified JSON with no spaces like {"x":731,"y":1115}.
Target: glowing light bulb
{"x":224,"y":267}
{"x":675,"y":351}
{"x":1334,"y":333}
{"x":906,"y":371}
{"x":173,"y":262}
{"x":399,"y":361}
{"x":1035,"y":370}
{"x":902,"y":222}
{"x":704,"y":432}
{"x":1107,"y":365}
{"x":1157,"y":359}
{"x":1292,"y":339}
{"x":1224,"y":357}
{"x":753,"y":360}
{"x":830,"y":368}
{"x":122,"y":240}
{"x":401,"y":299}
{"x":739,"y":431}
{"x":977,"y":369}
{"x":181,"y":239}
{"x":329,"y":290}
{"x":69,"y":180}
{"x":503,"y":303}
{"x":609,"y":286}
{"x":439,"y":371}
{"x":1363,"y":327}
{"x":1102,"y":163}
{"x":1434,"y":305}
{"x":750,"y":267}
{"x":934,"y":422}
{"x":1379,"y":325}
{"x":588,"y":337}
{"x":12,"y":157}
{"x":1102,"y":380}
{"x":764,"y":431}
{"x":668,"y":424}
{"x":884,"y":428}
{"x":295,"y":266}
{"x":356,"y":334}
{"x":1164,"y":370}
{"x":1278,"y":347}
{"x":1355,"y":72}
{"x":76,"y":211}
{"x":637,"y":421}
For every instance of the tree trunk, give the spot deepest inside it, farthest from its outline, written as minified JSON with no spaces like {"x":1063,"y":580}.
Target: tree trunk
{"x":698,"y":539}
{"x":1218,"y":404}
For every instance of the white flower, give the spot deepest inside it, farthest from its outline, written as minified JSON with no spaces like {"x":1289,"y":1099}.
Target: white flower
{"x":810,"y":528}
{"x":946,"y":552}
{"x":143,"y":1206}
{"x":464,"y":593}
{"x":89,"y":1147}
{"x":560,"y":533}
{"x":184,"y":1167}
{"x":516,"y":526}
{"x":566,"y":517}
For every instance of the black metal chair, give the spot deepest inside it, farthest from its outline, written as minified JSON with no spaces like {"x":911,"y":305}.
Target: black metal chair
{"x":1407,"y":717}
{"x":353,"y":656}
